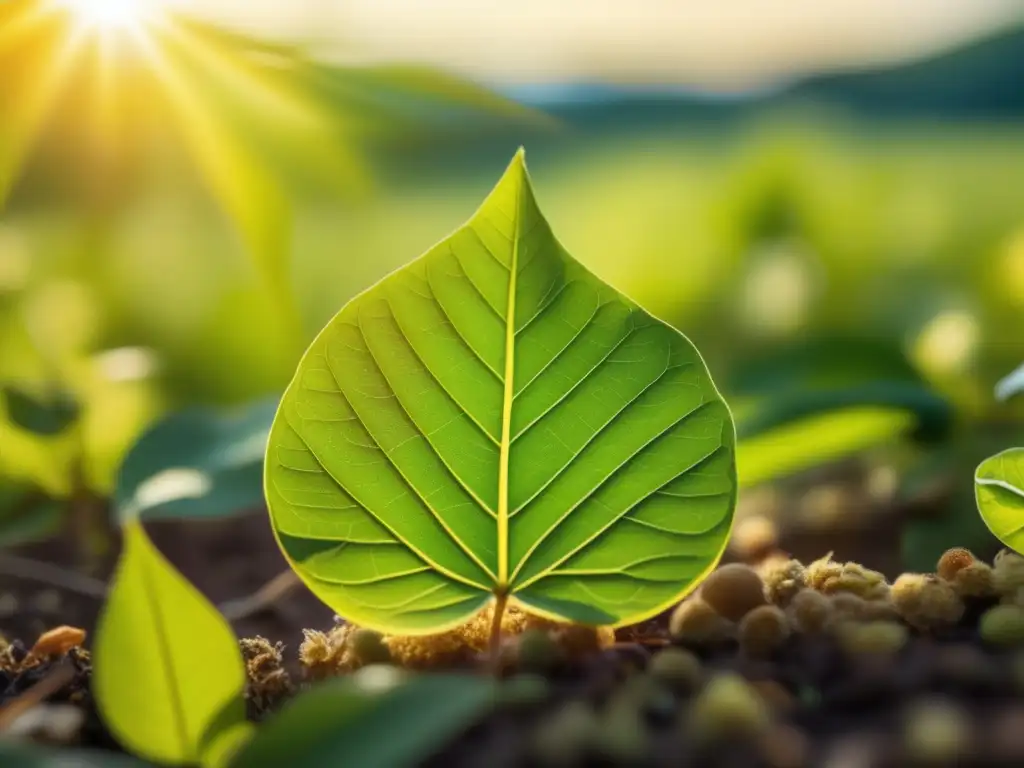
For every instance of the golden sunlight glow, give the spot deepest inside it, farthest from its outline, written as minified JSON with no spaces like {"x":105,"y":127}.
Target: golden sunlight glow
{"x":112,"y":14}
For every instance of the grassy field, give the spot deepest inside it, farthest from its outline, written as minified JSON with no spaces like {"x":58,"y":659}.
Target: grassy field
{"x":743,"y":237}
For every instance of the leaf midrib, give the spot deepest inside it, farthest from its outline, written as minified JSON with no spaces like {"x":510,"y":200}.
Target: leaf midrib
{"x":507,"y":399}
{"x":989,"y":482}
{"x":164,"y":650}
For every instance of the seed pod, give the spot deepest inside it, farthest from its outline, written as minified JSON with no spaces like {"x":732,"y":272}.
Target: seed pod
{"x":733,"y":590}
{"x":879,"y":610}
{"x":697,"y":622}
{"x":727,"y":707}
{"x":830,"y":577}
{"x":925,"y":601}
{"x":952,"y":561}
{"x":810,"y":611}
{"x":1003,"y":625}
{"x":763,"y":630}
{"x":1008,"y":572}
{"x":936,"y":733}
{"x":368,"y":647}
{"x":783,"y":580}
{"x":677,"y":667}
{"x":975,"y":580}
{"x":872,"y":637}
{"x":847,"y":606}
{"x":623,"y":736}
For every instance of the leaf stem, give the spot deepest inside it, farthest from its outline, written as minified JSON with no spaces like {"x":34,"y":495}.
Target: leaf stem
{"x":494,"y":644}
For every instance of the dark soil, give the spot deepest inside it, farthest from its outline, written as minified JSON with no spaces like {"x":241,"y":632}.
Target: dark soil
{"x":226,"y":560}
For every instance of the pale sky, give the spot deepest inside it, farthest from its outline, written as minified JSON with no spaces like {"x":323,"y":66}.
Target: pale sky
{"x":709,"y":43}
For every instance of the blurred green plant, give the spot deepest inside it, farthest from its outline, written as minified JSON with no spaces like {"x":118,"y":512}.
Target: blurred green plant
{"x":826,"y":398}
{"x":377,"y":716}
{"x":197,"y":463}
{"x":471,"y":429}
{"x":46,"y":413}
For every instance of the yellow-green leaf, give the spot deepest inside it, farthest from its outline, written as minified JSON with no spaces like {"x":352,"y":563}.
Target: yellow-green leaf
{"x":168,"y":675}
{"x":494,"y":420}
{"x":817,"y":439}
{"x":999,"y":489}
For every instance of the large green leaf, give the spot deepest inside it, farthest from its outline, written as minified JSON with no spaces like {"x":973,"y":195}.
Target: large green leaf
{"x":494,"y":420}
{"x":372,"y":719}
{"x":999,"y":487}
{"x":168,"y":675}
{"x":199,"y":462}
{"x":824,"y":362}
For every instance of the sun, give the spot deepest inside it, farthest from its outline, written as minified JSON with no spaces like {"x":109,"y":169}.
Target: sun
{"x":111,"y":15}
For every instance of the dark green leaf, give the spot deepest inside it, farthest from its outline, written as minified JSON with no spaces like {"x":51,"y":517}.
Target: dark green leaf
{"x":932,"y":414}
{"x":40,"y":411}
{"x":819,"y":400}
{"x":371,"y":719}
{"x":822,"y":363}
{"x":200,"y":463}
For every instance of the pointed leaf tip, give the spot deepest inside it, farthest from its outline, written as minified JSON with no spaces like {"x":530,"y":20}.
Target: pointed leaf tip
{"x":517,"y":166}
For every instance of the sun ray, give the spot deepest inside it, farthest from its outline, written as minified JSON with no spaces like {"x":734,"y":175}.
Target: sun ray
{"x":42,"y":40}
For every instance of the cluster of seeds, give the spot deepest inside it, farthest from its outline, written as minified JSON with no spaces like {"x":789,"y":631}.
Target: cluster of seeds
{"x":784,"y":666}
